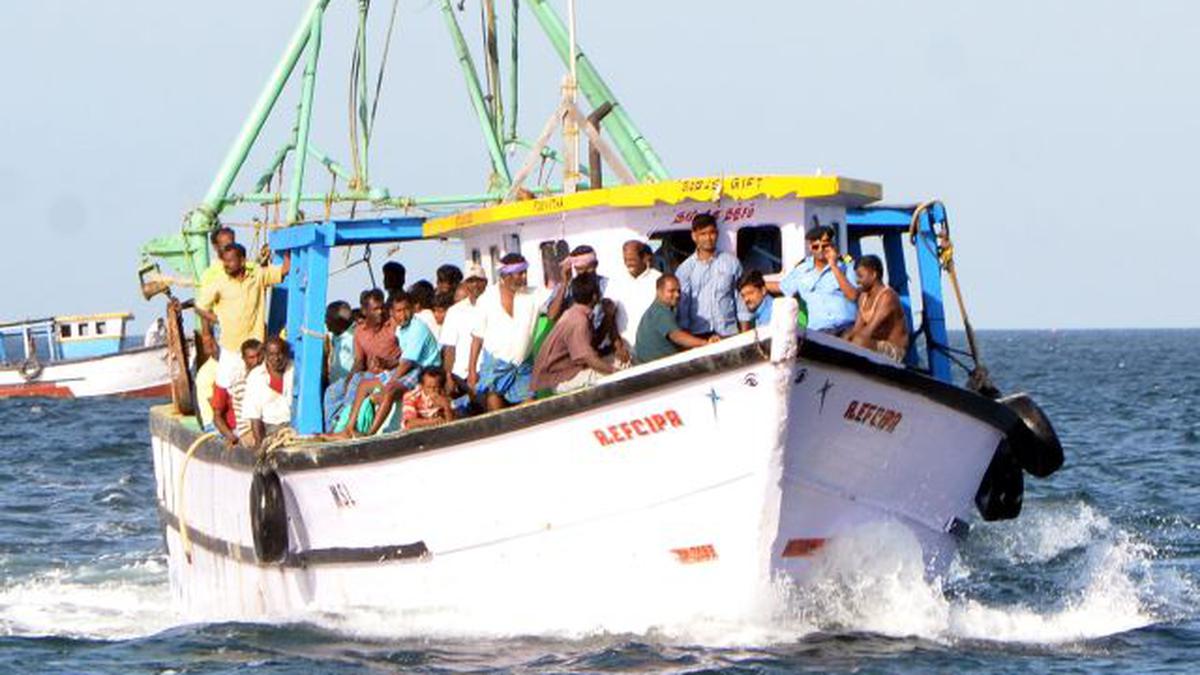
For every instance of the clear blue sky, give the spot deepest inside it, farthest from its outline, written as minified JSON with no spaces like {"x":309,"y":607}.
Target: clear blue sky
{"x":1063,"y":136}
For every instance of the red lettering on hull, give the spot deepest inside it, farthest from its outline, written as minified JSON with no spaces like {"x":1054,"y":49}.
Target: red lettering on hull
{"x":631,"y":430}
{"x":874,"y":416}
{"x":802,"y":548}
{"x":695,"y":554}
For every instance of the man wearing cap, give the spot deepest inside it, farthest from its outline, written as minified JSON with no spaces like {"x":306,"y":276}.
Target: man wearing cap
{"x":457,"y":329}
{"x":500,"y":366}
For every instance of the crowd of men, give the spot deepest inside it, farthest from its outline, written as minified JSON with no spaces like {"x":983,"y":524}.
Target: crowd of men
{"x":427,"y":353}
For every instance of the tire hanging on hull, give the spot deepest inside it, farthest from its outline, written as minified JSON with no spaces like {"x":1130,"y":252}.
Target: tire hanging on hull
{"x":1038,"y":450}
{"x":1002,"y":490}
{"x":268,"y":516}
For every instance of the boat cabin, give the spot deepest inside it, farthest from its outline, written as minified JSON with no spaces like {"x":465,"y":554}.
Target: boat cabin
{"x":762,"y":219}
{"x":60,"y":338}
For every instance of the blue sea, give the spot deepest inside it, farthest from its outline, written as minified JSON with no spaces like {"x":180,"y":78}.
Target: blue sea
{"x":1101,"y":572}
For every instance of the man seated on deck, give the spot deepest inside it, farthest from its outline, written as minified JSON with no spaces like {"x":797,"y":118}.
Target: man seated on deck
{"x":499,"y":366}
{"x":427,"y":405}
{"x":823,"y":283}
{"x":634,"y":290}
{"x":456,"y":336}
{"x":236,"y":302}
{"x":376,"y":353}
{"x":881,"y":324}
{"x":659,"y":334}
{"x":339,"y":353}
{"x":753,"y":290}
{"x":709,"y":303}
{"x":420,"y":298}
{"x":583,"y":260}
{"x":394,"y":276}
{"x":229,"y":419}
{"x":568,"y":360}
{"x":418,"y":350}
{"x":268,"y":404}
{"x":448,"y":279}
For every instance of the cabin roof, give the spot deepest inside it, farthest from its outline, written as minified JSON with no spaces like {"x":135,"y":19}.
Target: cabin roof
{"x":93,"y":317}
{"x":852,"y":191}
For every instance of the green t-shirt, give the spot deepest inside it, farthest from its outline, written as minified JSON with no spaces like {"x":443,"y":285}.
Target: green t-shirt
{"x":652,"y":341}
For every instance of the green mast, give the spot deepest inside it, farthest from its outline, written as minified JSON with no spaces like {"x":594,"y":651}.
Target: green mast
{"x":634,"y":147}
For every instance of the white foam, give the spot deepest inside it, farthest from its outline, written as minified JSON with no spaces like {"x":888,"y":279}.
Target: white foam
{"x":85,"y":602}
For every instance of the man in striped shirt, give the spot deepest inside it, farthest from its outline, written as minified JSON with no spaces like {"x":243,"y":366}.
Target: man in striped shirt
{"x":709,"y":303}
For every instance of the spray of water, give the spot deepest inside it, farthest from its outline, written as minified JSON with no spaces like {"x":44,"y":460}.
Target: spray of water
{"x":870,"y":581}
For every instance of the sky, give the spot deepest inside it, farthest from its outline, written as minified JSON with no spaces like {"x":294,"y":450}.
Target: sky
{"x":1062,"y":136}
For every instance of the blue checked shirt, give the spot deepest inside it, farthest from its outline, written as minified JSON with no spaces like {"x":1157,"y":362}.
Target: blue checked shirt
{"x":708,"y":298}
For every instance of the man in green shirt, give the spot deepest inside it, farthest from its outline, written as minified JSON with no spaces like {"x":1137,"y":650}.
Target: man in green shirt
{"x":658,"y":333}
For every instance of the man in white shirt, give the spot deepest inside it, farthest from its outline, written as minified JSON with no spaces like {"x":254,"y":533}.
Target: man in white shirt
{"x":634,"y":291}
{"x":268,"y":402}
{"x":457,"y":329}
{"x":500,"y":364}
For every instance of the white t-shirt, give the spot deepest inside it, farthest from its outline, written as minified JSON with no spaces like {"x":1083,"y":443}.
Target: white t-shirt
{"x":264,"y":403}
{"x":505,"y":337}
{"x":633,"y":296}
{"x":457,"y":331}
{"x":430,"y":320}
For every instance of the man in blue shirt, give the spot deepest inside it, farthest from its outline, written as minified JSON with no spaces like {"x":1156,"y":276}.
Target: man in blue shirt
{"x":753,"y":290}
{"x":709,"y":303}
{"x":824,"y":284}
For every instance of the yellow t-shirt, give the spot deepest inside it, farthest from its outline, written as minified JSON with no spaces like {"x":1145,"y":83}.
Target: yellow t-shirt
{"x":205,"y":378}
{"x":215,"y":272}
{"x":239,"y":304}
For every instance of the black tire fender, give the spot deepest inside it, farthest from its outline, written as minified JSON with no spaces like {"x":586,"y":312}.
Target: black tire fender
{"x":268,"y":516}
{"x":1002,"y":490}
{"x":31,"y":369}
{"x":1035,"y":446}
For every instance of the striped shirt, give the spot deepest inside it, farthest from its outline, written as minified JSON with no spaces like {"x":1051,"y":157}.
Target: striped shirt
{"x":708,"y":297}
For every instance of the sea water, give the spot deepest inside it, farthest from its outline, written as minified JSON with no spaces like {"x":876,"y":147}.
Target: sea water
{"x":1099,"y":573}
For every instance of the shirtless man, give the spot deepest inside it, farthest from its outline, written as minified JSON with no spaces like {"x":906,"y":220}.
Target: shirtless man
{"x":880,"y":325}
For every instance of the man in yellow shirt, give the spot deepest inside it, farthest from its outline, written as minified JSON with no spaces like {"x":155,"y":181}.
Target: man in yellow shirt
{"x":237,"y":303}
{"x":220,"y":238}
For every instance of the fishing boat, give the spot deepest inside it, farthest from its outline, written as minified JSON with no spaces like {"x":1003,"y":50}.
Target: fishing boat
{"x":78,"y":356}
{"x":728,"y":469}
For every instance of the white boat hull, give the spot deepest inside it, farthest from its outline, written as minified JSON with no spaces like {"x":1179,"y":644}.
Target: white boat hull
{"x":135,"y":372}
{"x":701,"y":491}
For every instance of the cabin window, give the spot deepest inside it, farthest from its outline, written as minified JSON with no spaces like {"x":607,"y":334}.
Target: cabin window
{"x":476,"y":257}
{"x":494,"y":255}
{"x":512,"y":243}
{"x":83,"y":330}
{"x":671,"y":247}
{"x":101,"y":328}
{"x":65,"y":330}
{"x":760,"y":247}
{"x":553,"y":253}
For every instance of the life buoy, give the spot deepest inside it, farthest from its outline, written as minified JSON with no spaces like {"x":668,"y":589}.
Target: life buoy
{"x":1002,"y":490}
{"x":1037,"y":448}
{"x":268,"y":516}
{"x":30,"y":370}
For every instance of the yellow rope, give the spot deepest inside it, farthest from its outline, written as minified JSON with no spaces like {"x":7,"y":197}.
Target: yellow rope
{"x":180,"y":509}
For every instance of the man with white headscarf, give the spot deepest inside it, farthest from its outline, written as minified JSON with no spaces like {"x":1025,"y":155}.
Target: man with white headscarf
{"x":501,"y":362}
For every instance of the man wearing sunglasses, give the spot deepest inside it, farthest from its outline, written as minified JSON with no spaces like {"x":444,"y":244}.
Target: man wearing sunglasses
{"x":824,"y":284}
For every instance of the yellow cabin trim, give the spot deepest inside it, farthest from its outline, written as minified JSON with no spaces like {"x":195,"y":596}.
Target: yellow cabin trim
{"x":709,"y":189}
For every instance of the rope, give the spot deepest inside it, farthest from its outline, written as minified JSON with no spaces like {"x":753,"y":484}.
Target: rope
{"x":180,"y":506}
{"x":387,"y":45}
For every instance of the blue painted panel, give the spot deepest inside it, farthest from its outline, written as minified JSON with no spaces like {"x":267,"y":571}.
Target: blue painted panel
{"x":893,"y":253}
{"x":880,"y":216}
{"x":90,"y":348}
{"x":277,"y":312}
{"x":931,"y":299}
{"x":309,"y":340}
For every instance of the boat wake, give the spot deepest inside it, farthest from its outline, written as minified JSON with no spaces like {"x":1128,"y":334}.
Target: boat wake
{"x":1062,"y":574}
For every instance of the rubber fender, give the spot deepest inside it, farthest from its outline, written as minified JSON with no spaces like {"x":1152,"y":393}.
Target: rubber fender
{"x":268,"y":516}
{"x":30,"y":370}
{"x":1039,"y":451}
{"x":1002,"y":489}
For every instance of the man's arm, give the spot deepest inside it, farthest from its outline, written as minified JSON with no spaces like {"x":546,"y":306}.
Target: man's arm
{"x":220,"y":406}
{"x":258,"y":431}
{"x":473,"y":362}
{"x":687,"y":340}
{"x":848,"y":289}
{"x":745,"y":318}
{"x":448,"y":354}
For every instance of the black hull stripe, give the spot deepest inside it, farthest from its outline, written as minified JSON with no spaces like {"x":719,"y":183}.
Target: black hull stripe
{"x":414,"y":552}
{"x":359,"y":451}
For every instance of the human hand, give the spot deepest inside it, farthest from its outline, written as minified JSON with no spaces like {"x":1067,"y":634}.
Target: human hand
{"x":473,"y":381}
{"x":231,"y":440}
{"x":830,"y":254}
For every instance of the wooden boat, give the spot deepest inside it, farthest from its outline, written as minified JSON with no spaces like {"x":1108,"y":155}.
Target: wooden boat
{"x":78,"y":356}
{"x":701,"y":481}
